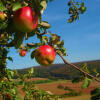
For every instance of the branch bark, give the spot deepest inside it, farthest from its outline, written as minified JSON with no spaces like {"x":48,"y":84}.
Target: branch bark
{"x":11,"y":44}
{"x":41,"y":34}
{"x":77,"y":68}
{"x":30,"y":44}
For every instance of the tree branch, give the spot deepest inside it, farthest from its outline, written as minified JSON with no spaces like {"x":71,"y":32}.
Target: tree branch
{"x":77,"y":68}
{"x":40,"y":34}
{"x":11,"y":44}
{"x":30,"y":44}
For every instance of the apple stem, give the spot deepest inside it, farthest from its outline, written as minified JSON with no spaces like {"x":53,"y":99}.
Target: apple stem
{"x":77,"y":68}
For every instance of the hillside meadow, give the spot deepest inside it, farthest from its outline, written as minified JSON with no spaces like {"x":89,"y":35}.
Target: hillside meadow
{"x":62,"y":88}
{"x":57,"y":80}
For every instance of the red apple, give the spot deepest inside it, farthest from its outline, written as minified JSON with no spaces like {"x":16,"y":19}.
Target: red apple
{"x":45,"y":55}
{"x":25,"y":19}
{"x":22,"y":53}
{"x":8,"y":96}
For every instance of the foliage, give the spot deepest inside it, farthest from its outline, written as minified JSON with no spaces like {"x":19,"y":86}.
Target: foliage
{"x":75,"y":9}
{"x":9,"y":37}
{"x":95,"y":94}
{"x":31,"y":92}
{"x":86,"y":83}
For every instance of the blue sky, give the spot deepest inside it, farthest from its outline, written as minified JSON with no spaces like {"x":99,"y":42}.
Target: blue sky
{"x":82,"y":38}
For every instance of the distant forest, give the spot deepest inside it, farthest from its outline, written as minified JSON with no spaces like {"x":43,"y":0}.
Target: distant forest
{"x":62,"y":71}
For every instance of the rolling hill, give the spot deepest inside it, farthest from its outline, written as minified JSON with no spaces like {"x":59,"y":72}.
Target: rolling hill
{"x":62,"y":71}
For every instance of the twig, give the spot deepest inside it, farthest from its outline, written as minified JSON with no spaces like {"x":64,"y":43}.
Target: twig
{"x":40,"y":34}
{"x":77,"y":68}
{"x":11,"y":44}
{"x":30,"y":44}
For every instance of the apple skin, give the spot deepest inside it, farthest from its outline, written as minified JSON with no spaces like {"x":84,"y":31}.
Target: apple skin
{"x":22,"y":53}
{"x":2,"y":16}
{"x":2,"y":37}
{"x":25,"y":19}
{"x":8,"y":96}
{"x":45,"y":55}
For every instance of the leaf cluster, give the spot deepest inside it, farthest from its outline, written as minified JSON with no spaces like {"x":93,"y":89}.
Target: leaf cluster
{"x":75,"y":9}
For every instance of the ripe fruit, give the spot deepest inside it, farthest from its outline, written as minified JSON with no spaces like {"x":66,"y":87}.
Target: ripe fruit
{"x":45,"y":55}
{"x":2,"y":37}
{"x":22,"y":53}
{"x":25,"y":19}
{"x":2,"y":16}
{"x":5,"y":79}
{"x":8,"y":96}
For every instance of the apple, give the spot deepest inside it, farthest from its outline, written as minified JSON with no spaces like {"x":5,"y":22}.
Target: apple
{"x":2,"y":37}
{"x":25,"y":19}
{"x":5,"y":79}
{"x":22,"y":53}
{"x":45,"y":55}
{"x":2,"y":16}
{"x":8,"y":96}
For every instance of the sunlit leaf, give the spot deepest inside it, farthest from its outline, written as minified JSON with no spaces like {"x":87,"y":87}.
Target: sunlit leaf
{"x":16,"y":6}
{"x":2,"y":7}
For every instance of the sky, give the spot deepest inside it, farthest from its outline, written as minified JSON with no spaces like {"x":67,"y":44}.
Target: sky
{"x":82,"y":38}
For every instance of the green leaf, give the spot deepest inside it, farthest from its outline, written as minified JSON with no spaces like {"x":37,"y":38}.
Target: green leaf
{"x":2,"y":7}
{"x":10,"y":74}
{"x":71,"y":10}
{"x":45,"y":39}
{"x":16,"y":6}
{"x":70,"y":20}
{"x":45,"y":24}
{"x":85,"y":68}
{"x":77,"y":79}
{"x":60,"y":43}
{"x":82,"y":8}
{"x":82,"y":4}
{"x":44,"y":6}
{"x":32,"y":70}
{"x":95,"y":94}
{"x":3,"y":25}
{"x":18,"y":39}
{"x":54,"y":39}
{"x":13,"y":91}
{"x":63,"y":50}
{"x":10,"y":59}
{"x":33,"y":54}
{"x":86,"y":83}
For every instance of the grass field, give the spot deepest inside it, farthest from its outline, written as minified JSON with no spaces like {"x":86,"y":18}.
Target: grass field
{"x":52,"y":86}
{"x":77,"y":87}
